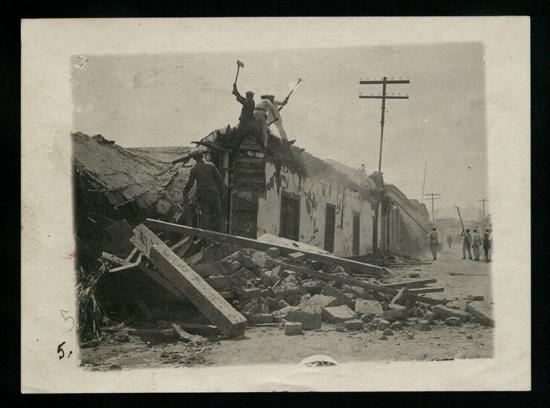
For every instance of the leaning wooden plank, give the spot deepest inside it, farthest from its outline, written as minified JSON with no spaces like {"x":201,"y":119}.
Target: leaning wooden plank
{"x":162,"y":281}
{"x":417,"y":283}
{"x":201,"y":294}
{"x":262,"y":246}
{"x":211,"y":304}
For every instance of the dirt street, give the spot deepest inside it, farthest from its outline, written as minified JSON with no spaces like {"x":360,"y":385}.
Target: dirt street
{"x":269,"y":344}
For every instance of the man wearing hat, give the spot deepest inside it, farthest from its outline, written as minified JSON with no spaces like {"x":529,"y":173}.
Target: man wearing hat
{"x":267,"y":111}
{"x":246,"y":120}
{"x":210,"y":189}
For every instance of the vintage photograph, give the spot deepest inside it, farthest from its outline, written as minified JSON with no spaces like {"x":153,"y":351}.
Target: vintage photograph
{"x":313,"y":206}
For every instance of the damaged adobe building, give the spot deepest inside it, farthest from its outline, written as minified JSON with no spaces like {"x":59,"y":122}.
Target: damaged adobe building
{"x":290,"y":194}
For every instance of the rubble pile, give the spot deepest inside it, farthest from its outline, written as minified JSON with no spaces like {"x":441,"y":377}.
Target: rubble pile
{"x":290,"y":287}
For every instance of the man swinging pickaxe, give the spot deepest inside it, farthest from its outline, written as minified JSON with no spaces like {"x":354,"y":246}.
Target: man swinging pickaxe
{"x":285,"y":101}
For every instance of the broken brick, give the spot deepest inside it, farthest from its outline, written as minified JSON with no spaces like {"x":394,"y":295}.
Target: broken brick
{"x":262,"y":260}
{"x":424,"y":325}
{"x":296,"y":257}
{"x":453,"y":321}
{"x":260,"y":318}
{"x":354,"y":324}
{"x":308,"y":317}
{"x":341,"y":298}
{"x":395,"y":312}
{"x":381,"y":324}
{"x":293,"y":328}
{"x":338,"y":314}
{"x":314,"y":287}
{"x":363,"y":306}
{"x":274,"y":252}
{"x":321,"y":301}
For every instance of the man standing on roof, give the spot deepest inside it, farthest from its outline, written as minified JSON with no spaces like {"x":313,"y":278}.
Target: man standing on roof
{"x":434,"y":243}
{"x":246,"y":120}
{"x":210,"y":189}
{"x":268,"y":111}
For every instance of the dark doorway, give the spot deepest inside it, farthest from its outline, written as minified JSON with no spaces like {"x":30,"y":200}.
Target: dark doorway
{"x":290,"y":216}
{"x":330,"y":220}
{"x":356,"y":233}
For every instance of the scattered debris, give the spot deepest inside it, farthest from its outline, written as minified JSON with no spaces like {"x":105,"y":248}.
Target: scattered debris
{"x":482,"y":311}
{"x":293,"y":328}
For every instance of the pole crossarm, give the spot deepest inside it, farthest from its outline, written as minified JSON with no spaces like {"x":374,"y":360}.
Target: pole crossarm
{"x":381,"y":96}
{"x":387,"y":81}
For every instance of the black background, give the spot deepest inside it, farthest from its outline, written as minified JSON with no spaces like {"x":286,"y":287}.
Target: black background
{"x":13,"y":11}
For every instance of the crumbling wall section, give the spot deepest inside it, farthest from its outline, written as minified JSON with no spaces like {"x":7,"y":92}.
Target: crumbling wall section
{"x":315,"y":194}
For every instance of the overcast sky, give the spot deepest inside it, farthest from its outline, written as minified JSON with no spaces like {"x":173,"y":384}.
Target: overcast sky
{"x":173,"y":99}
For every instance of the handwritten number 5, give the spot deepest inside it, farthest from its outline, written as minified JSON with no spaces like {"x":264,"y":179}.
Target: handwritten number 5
{"x":61,"y":351}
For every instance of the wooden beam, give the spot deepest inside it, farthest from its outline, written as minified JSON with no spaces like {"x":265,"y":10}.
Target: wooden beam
{"x":263,"y":246}
{"x":417,"y":283}
{"x":127,"y":266}
{"x":426,"y":290}
{"x":211,"y":304}
{"x":365,"y":285}
{"x":162,"y":281}
{"x":181,"y":247}
{"x":114,"y":259}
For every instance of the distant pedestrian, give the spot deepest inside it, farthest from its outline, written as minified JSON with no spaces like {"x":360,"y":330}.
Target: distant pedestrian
{"x":434,"y":244}
{"x":487,"y":244}
{"x":450,"y":240}
{"x":476,"y":244}
{"x":467,"y":244}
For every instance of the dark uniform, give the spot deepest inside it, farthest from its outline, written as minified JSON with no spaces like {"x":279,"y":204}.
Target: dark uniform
{"x":210,"y":189}
{"x":247,"y":122}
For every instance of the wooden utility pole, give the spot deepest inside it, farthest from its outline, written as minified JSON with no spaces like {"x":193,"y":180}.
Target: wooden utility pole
{"x":483,"y":201}
{"x":424,"y":182}
{"x":384,"y":82}
{"x":433,"y":196}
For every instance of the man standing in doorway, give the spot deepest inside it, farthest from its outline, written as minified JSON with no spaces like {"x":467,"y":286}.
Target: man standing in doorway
{"x":467,"y":245}
{"x":210,"y":189}
{"x":434,"y":244}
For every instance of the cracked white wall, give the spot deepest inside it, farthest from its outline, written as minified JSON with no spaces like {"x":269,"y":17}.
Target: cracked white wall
{"x":314,"y":195}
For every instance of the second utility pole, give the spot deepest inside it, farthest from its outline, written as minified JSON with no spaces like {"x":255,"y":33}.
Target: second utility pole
{"x":434,"y":196}
{"x":379,"y":181}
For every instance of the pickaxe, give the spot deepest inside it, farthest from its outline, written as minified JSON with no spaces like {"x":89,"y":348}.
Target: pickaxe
{"x":292,"y":90}
{"x":286,"y":99}
{"x":240,"y":64}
